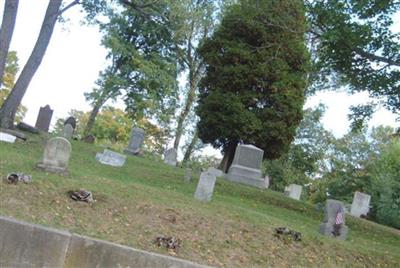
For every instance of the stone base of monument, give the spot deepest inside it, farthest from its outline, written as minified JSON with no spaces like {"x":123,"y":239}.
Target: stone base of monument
{"x":53,"y":169}
{"x":245,"y":175}
{"x":132,"y":152}
{"x":327,"y":229}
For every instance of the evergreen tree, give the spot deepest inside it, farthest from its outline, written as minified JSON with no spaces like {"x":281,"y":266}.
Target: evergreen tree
{"x":253,"y":90}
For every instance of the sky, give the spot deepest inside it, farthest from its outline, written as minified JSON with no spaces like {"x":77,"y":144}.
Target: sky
{"x":75,"y":56}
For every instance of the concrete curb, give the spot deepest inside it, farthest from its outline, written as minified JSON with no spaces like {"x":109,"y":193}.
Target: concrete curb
{"x":29,"y":245}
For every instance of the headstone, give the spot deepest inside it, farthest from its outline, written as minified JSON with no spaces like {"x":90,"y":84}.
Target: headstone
{"x":7,"y":137}
{"x":68,"y":131}
{"x":15,"y":133}
{"x":334,"y":213}
{"x":246,"y":166}
{"x":205,"y":187}
{"x":111,"y":158}
{"x":26,"y":127}
{"x":170,"y":157}
{"x":293,"y":191}
{"x":44,"y":118}
{"x":72,"y":121}
{"x":267,"y":181}
{"x":56,"y":155}
{"x":188,"y":174}
{"x":216,"y":172}
{"x":89,"y":139}
{"x":136,"y":141}
{"x":360,"y":205}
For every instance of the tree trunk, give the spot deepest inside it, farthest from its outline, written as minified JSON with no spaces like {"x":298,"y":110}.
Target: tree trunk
{"x":6,"y":32}
{"x":185,"y":112}
{"x":96,"y":108}
{"x":7,"y":113}
{"x":191,"y":146}
{"x":228,"y":157}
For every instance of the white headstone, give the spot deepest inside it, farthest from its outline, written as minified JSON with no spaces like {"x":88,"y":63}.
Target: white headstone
{"x":170,"y":157}
{"x":7,"y":137}
{"x":205,"y":187}
{"x":111,"y":158}
{"x":68,"y":131}
{"x":136,"y":141}
{"x":293,"y":191}
{"x":246,"y":166}
{"x":56,"y":155}
{"x":360,"y":205}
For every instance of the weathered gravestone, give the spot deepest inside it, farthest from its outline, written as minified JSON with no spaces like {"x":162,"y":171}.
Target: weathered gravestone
{"x":216,"y":172}
{"x":205,"y":187}
{"x":334,"y":221}
{"x":44,"y":118}
{"x":293,"y":191}
{"x":72,"y":121}
{"x":68,"y":131}
{"x":360,"y":205}
{"x":111,"y":158}
{"x":56,"y":155}
{"x":246,"y":166}
{"x":188,"y":174}
{"x":170,"y":157}
{"x":136,"y":141}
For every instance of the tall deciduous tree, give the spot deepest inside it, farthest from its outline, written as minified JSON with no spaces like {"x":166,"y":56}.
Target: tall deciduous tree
{"x":253,"y":90}
{"x":9,"y":108}
{"x":356,"y":45}
{"x":6,"y":32}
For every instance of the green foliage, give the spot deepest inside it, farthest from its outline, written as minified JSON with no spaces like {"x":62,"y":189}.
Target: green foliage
{"x":254,"y":85}
{"x":356,"y":45}
{"x":10,"y":72}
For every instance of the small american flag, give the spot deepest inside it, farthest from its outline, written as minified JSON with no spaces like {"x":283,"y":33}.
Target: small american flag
{"x":339,"y":216}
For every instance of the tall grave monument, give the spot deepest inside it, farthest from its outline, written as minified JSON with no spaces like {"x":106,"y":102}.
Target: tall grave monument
{"x":44,"y":118}
{"x":136,"y":141}
{"x":246,"y":166}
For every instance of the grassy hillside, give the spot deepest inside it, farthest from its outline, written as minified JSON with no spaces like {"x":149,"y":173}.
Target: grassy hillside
{"x":146,"y":198}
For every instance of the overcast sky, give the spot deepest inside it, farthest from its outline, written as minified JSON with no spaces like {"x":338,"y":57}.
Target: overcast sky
{"x":74,"y":58}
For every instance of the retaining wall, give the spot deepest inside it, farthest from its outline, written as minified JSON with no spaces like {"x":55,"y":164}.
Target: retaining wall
{"x":28,"y":245}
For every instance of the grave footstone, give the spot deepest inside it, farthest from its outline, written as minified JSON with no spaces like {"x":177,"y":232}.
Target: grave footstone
{"x":246,"y":166}
{"x":136,"y":141}
{"x":68,"y":131}
{"x":360,"y":205}
{"x":7,"y":137}
{"x":72,"y":121}
{"x":56,"y":155}
{"x":111,"y":158}
{"x":293,"y":191}
{"x":44,"y":118}
{"x":188,"y":174}
{"x":170,"y":157}
{"x":334,"y":220}
{"x":205,"y":187}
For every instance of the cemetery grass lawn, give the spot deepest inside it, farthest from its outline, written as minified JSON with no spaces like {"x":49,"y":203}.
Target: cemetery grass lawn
{"x":146,"y":198}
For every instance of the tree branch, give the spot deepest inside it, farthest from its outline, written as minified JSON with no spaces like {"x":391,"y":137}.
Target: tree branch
{"x":73,"y":3}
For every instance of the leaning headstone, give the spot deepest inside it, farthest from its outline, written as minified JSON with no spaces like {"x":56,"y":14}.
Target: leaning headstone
{"x":136,"y":141}
{"x":216,"y":172}
{"x":188,"y":174}
{"x":246,"y":166}
{"x":56,"y":155}
{"x":44,"y":118}
{"x":111,"y":158}
{"x":293,"y":191}
{"x":360,"y":205}
{"x":89,"y":139}
{"x":205,"y":187}
{"x":170,"y":157}
{"x":68,"y":131}
{"x":26,"y":127}
{"x":72,"y":121}
{"x":7,"y":137}
{"x":334,"y":220}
